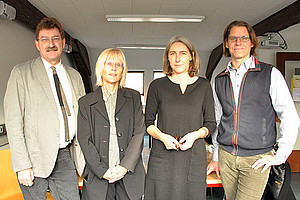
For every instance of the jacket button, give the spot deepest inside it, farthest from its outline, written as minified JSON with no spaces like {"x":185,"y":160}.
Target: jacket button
{"x":121,"y":149}
{"x":119,"y":134}
{"x":117,"y":119}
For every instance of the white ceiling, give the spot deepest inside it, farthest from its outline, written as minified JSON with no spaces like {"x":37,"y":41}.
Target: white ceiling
{"x":85,"y":19}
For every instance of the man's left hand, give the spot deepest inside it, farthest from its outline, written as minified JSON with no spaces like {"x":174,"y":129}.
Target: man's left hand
{"x":266,"y":161}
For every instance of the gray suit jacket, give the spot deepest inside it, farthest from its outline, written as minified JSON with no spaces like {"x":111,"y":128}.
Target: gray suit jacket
{"x":31,"y":118}
{"x":93,"y":135}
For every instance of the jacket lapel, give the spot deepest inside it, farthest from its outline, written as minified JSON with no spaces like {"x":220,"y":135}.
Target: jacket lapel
{"x":72,"y":84}
{"x":98,"y":103}
{"x":42,"y":75}
{"x":121,"y":99}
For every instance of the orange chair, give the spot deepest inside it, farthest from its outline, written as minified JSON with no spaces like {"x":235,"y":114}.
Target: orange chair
{"x":9,"y":187}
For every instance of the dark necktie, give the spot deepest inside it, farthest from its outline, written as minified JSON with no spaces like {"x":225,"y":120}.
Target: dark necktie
{"x":62,"y":102}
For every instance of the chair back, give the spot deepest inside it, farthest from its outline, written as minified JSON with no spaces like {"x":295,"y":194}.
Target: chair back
{"x":9,"y":187}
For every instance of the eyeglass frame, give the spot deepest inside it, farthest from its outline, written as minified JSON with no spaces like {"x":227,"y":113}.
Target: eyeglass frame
{"x":116,"y":64}
{"x":242,"y":38}
{"x":46,"y":40}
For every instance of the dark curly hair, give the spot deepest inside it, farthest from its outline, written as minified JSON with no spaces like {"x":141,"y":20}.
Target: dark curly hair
{"x":49,"y":23}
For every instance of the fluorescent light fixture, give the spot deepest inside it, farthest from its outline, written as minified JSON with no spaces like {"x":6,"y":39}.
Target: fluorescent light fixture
{"x":154,"y":18}
{"x":140,"y":46}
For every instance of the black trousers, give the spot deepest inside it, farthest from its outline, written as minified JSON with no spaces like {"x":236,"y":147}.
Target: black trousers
{"x":116,"y":191}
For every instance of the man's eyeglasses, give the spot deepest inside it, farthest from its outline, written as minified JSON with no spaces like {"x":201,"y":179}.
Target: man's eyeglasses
{"x":235,"y":38}
{"x":47,"y":40}
{"x":111,"y":64}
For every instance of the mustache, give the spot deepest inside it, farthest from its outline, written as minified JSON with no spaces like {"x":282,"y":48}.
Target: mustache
{"x":54,"y":48}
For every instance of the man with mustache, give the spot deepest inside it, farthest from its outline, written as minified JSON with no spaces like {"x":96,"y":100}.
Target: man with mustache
{"x":41,"y":107}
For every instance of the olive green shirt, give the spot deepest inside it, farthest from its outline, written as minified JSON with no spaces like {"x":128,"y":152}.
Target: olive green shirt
{"x":110,"y":103}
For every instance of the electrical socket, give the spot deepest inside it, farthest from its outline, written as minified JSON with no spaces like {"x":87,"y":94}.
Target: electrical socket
{"x":2,"y":129}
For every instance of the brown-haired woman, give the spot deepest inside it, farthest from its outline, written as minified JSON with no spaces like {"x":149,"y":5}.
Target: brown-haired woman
{"x":183,"y":104}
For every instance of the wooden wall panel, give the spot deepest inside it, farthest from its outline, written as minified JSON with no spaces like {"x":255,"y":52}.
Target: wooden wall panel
{"x":294,"y":161}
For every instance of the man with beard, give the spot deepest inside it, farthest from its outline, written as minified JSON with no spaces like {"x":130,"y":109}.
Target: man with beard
{"x":40,"y":114}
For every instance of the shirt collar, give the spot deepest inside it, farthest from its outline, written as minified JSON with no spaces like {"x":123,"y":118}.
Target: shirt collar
{"x":106,"y":94}
{"x":246,"y":65}
{"x":48,"y":65}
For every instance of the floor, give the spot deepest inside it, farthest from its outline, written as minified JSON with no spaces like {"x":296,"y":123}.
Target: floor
{"x":295,"y":184}
{"x":218,"y":193}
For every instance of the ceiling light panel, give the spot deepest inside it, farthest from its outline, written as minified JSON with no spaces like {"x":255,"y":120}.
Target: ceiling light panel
{"x":140,"y":46}
{"x":155,"y":18}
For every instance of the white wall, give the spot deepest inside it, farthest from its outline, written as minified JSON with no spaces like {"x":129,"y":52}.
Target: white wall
{"x":17,"y":46}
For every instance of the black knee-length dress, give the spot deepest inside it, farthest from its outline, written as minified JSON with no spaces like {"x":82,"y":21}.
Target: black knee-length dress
{"x":175,"y":174}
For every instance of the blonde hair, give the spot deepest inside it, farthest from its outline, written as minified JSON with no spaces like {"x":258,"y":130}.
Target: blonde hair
{"x":195,"y":63}
{"x":115,"y":54}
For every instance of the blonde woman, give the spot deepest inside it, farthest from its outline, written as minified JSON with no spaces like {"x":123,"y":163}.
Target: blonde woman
{"x":110,"y":132}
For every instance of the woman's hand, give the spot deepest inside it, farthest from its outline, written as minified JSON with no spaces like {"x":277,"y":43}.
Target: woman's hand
{"x":187,"y":141}
{"x":169,"y":141}
{"x":115,"y":174}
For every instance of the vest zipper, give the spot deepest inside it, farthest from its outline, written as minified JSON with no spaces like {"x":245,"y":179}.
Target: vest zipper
{"x":236,"y":114}
{"x":235,"y":132}
{"x":235,"y":118}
